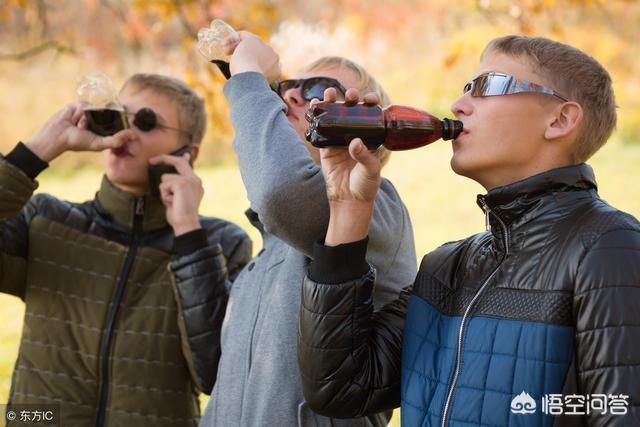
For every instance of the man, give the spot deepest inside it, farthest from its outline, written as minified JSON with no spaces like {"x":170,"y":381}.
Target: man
{"x":124,"y":293}
{"x":500,"y":326}
{"x":258,"y":382}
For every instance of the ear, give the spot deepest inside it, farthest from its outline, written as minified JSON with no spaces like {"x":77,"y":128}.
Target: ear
{"x":564,"y":121}
{"x":194,"y":151}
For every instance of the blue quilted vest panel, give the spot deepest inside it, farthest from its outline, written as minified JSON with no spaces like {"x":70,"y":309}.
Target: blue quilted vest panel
{"x":500,"y":360}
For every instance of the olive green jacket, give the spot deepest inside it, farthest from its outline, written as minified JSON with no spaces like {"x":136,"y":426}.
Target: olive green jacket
{"x":122,"y":320}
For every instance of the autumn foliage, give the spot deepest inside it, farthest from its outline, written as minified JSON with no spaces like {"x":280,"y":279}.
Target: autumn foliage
{"x":422,"y":52}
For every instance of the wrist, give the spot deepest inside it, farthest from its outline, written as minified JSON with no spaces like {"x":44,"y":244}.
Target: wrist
{"x":245,"y":67}
{"x":25,"y":160}
{"x":185,"y":226}
{"x":348,"y":222}
{"x":44,"y":150}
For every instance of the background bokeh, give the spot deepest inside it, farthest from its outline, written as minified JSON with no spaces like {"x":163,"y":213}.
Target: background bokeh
{"x":421,"y":51}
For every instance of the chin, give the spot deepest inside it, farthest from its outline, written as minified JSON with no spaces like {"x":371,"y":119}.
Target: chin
{"x":458,"y":166}
{"x":467,"y":170}
{"x":126,"y":180}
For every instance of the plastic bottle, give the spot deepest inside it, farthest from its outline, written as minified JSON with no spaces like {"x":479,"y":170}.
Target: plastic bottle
{"x":211,"y":44}
{"x":396,"y":127}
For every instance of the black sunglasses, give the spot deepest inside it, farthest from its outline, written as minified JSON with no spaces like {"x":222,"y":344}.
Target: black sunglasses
{"x":108,"y":122}
{"x":146,"y":120}
{"x":310,"y":88}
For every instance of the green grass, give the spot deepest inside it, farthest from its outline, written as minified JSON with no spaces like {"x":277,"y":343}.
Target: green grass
{"x":442,"y":207}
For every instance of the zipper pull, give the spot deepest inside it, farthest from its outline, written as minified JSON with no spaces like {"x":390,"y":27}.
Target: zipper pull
{"x":140,"y":206}
{"x":487,"y":211}
{"x":487,"y":223}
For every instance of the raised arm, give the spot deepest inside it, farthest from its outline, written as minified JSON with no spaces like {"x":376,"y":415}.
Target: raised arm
{"x":18,"y":170}
{"x":284,"y":185}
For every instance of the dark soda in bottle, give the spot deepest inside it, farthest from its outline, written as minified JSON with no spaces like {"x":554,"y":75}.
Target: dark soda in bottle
{"x":105,"y":121}
{"x":396,"y":127}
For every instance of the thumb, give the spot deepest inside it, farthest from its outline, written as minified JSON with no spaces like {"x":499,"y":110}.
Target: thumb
{"x":243,"y":34}
{"x":116,"y":140}
{"x":229,"y":44}
{"x":368,"y":159}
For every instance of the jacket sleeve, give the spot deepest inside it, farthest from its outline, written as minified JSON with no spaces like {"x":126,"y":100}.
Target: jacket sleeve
{"x":349,"y":355}
{"x":288,"y":192}
{"x":201,"y":280}
{"x":17,"y":184}
{"x":608,"y":325}
{"x":284,"y":186}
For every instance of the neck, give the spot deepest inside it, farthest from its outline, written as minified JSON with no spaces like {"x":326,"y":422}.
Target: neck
{"x":496,"y":178}
{"x":136,"y":190}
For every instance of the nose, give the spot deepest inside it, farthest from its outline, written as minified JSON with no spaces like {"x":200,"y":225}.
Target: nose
{"x":293,"y":97}
{"x":462,"y":106}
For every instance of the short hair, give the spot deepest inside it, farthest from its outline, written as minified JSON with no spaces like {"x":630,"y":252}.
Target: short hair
{"x":192,"y":116}
{"x":575,"y":75}
{"x":366,"y":84}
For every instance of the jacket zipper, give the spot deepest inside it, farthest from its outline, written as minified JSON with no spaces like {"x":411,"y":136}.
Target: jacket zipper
{"x":107,"y":339}
{"x":465,"y":317}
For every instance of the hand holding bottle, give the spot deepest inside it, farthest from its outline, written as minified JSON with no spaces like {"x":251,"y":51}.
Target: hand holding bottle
{"x":216,"y":43}
{"x":251,"y":53}
{"x":352,"y":180}
{"x":67,"y":130}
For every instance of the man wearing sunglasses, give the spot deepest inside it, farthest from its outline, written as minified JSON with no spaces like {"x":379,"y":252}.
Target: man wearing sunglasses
{"x":531,"y":323}
{"x":124,"y":294}
{"x":258,"y":383}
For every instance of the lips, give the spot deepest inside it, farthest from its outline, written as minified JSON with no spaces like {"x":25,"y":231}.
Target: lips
{"x":121,"y":151}
{"x":464,"y":132}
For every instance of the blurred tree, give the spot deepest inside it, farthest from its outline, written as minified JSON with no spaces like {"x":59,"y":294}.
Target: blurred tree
{"x":427,"y":43}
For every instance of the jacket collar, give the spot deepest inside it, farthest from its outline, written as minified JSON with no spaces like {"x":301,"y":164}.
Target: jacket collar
{"x":510,"y":202}
{"x":121,"y":207}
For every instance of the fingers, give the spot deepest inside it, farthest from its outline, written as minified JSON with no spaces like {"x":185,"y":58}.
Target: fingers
{"x":166,"y":192}
{"x":352,"y":96}
{"x":77,"y":113}
{"x":82,"y":123}
{"x":114,"y":141}
{"x":330,"y":95}
{"x":245,"y":34}
{"x":371,"y":99}
{"x":367,"y":158}
{"x":180,"y":163}
{"x":229,"y":44}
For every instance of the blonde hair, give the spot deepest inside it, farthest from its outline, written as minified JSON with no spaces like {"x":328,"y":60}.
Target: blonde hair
{"x":192,"y":116}
{"x":575,"y":75}
{"x":366,"y":83}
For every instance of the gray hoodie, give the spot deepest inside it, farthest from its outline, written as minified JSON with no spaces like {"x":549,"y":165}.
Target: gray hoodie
{"x":258,"y":379}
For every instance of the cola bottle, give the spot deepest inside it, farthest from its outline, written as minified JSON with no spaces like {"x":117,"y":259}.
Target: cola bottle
{"x":211,"y":44}
{"x":396,"y":127}
{"x":105,"y":116}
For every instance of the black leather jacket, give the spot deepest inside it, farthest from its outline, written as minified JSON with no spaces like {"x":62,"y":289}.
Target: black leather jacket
{"x":546,"y":303}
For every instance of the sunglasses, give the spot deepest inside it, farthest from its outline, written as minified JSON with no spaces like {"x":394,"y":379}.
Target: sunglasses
{"x":496,"y":84}
{"x":311,"y":88}
{"x":108,"y":122}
